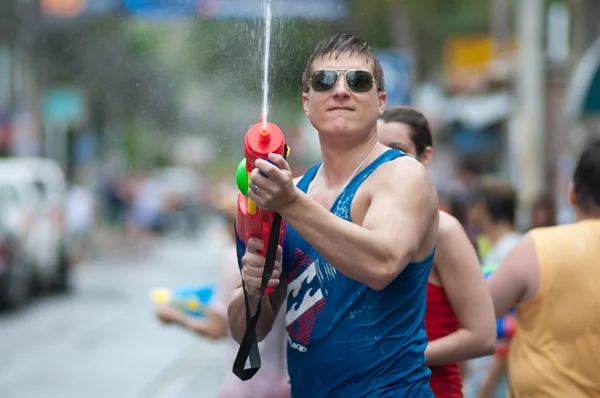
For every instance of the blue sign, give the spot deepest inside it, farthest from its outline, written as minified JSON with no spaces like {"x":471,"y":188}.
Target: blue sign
{"x":64,"y":105}
{"x":397,"y":72}
{"x":103,"y":6}
{"x":163,"y":8}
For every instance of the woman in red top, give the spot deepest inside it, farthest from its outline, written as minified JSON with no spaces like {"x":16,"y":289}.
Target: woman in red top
{"x":460,"y":318}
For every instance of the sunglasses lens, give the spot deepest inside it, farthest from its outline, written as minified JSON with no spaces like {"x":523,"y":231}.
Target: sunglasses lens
{"x":323,"y":80}
{"x":359,"y":81}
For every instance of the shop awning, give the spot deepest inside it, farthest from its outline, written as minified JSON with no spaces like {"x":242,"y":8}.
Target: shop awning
{"x":583,"y":93}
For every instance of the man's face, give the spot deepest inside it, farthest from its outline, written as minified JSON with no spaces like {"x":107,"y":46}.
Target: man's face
{"x":397,"y":136}
{"x":341,"y":110}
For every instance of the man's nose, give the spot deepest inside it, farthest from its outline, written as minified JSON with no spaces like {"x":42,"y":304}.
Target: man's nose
{"x":341,"y":87}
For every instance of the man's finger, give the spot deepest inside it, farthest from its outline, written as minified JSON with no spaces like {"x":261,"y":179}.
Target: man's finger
{"x":261,"y":181}
{"x":254,"y":260}
{"x":255,"y":282}
{"x":277,"y":268}
{"x":255,"y":245}
{"x":268,"y":168}
{"x":279,"y":161}
{"x":255,"y":198}
{"x":276,"y":274}
{"x":259,"y":201}
{"x":253,"y":271}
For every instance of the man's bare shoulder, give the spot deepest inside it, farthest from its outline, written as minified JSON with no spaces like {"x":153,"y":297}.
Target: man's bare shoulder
{"x":407,"y":168}
{"x":406,"y":174}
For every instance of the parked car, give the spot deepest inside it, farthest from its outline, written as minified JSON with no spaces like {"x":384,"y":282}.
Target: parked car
{"x":17,"y":222}
{"x":46,"y":243}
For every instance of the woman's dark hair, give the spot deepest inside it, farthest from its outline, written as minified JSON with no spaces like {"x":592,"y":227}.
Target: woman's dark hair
{"x":420,"y":133}
{"x":586,"y":179}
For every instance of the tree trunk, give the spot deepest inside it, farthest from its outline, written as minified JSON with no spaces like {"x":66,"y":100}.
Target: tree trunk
{"x":400,"y":29}
{"x":500,"y":23}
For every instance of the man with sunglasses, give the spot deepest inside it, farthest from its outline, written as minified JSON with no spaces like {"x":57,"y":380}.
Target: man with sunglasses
{"x":361,"y":237}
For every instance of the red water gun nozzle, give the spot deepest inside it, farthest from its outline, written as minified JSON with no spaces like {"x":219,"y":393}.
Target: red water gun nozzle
{"x":265,"y":133}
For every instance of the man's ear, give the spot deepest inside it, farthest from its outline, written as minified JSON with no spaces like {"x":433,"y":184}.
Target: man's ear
{"x":427,"y":156}
{"x":382,"y":95}
{"x":305,"y":104}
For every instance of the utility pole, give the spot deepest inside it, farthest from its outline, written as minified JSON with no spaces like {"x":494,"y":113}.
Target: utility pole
{"x":527,"y":134}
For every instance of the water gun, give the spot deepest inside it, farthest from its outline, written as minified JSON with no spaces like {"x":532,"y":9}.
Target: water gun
{"x":193,"y":300}
{"x":505,"y":327}
{"x":251,"y":221}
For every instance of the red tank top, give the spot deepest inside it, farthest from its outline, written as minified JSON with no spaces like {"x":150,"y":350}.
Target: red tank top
{"x":441,"y":321}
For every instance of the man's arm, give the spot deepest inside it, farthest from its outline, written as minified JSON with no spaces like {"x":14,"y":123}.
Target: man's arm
{"x":402,"y":212}
{"x":517,"y":278}
{"x":271,"y":304}
{"x":515,"y":281}
{"x":463,"y":282}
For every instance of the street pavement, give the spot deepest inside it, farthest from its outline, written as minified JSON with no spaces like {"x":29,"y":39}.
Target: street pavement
{"x":102,"y":340}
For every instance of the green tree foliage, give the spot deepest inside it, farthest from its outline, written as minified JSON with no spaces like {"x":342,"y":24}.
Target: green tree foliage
{"x":431,"y":23}
{"x":115,"y":64}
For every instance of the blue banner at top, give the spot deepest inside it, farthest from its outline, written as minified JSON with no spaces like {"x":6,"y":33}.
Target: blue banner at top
{"x":226,"y":9}
{"x":163,"y":8}
{"x":304,"y":9}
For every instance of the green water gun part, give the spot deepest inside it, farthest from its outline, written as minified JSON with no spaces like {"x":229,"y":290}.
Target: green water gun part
{"x":241,"y":177}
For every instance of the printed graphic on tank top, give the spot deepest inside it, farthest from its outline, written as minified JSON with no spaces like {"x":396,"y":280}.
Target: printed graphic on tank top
{"x":346,"y":339}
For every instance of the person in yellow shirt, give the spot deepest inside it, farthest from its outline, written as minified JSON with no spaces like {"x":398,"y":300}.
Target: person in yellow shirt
{"x":552,"y":276}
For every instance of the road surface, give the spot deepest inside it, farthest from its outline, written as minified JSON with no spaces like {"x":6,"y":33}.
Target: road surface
{"x":102,"y":341}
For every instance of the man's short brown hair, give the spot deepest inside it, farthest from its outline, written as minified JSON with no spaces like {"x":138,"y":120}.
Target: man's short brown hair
{"x":338,"y":44}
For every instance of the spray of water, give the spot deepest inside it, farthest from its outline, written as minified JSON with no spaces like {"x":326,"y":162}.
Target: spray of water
{"x":267,"y":49}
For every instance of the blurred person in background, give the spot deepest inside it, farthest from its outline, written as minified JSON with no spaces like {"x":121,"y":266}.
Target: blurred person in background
{"x":79,"y":218}
{"x":458,"y":209}
{"x":146,"y":212}
{"x":468,"y":174}
{"x":116,"y":199}
{"x":459,"y":315}
{"x":551,"y":276}
{"x":272,"y":380}
{"x":492,"y":209}
{"x":543,"y":214}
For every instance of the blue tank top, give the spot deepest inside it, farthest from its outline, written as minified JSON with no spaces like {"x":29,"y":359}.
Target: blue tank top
{"x":345,"y":339}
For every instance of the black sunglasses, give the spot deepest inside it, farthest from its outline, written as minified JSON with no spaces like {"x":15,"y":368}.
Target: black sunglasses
{"x":359,"y":81}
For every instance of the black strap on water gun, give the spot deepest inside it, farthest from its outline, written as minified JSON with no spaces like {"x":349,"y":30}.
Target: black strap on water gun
{"x":249,"y":345}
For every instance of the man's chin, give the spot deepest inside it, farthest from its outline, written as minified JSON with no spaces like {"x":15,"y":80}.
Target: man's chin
{"x":336,"y":128}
